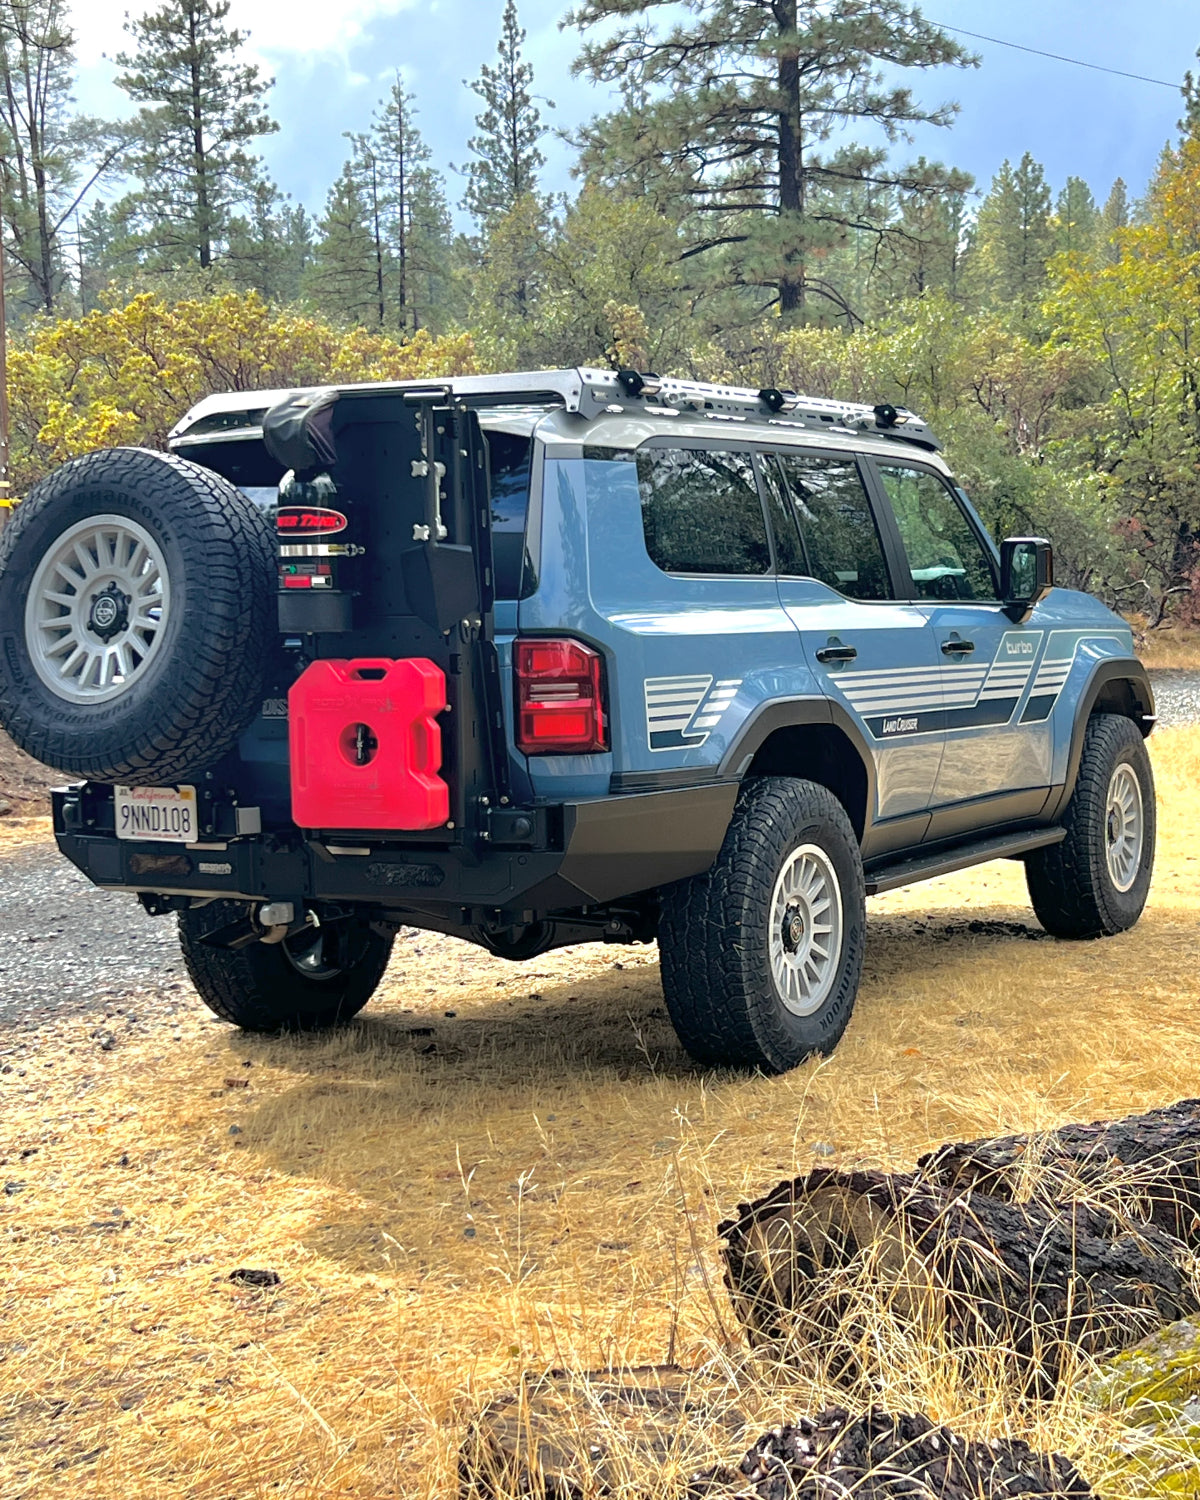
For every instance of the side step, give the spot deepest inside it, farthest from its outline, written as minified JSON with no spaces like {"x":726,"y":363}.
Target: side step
{"x":961,"y":857}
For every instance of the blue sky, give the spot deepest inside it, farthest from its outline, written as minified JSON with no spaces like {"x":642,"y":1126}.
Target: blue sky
{"x":334,"y":59}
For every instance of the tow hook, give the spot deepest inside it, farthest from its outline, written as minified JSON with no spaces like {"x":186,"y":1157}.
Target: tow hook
{"x":279,"y":920}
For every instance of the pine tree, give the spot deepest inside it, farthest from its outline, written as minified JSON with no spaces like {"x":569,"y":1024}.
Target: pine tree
{"x":1189,"y":126}
{"x":507,"y":158}
{"x":416,"y":223}
{"x":108,"y":250}
{"x":202,"y":110}
{"x":1076,"y":218}
{"x":925,"y":247}
{"x":270,"y":249}
{"x":43,"y":145}
{"x":1014,"y":239}
{"x":1113,"y":217}
{"x":743,"y":99}
{"x":343,"y":279}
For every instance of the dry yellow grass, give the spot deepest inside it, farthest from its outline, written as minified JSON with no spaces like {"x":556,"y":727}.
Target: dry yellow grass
{"x":1171,"y":646}
{"x":535,"y":1184}
{"x":17,"y":832}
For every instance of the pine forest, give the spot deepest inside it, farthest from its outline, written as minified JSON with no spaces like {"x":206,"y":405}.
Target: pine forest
{"x":747,"y":212}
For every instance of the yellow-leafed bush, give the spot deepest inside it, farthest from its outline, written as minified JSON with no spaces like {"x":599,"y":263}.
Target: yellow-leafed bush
{"x":127,"y":374}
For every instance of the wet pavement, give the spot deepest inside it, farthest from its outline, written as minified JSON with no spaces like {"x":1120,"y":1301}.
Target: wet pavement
{"x":67,"y":948}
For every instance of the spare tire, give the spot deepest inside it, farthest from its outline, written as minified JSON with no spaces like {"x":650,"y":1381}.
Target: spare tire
{"x":137,"y":617}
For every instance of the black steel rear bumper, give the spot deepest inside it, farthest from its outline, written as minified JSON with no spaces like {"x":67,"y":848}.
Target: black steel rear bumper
{"x":577,"y":854}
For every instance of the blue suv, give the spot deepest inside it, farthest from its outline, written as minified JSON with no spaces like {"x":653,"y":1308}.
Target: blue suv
{"x":549,"y":658}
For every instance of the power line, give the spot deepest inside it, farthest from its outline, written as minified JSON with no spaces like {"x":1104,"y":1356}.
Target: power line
{"x":1057,"y":56}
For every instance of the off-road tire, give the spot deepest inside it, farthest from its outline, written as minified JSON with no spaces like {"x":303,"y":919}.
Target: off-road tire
{"x":259,"y":989}
{"x":206,"y":679}
{"x":721,"y":992}
{"x":1073,"y":893}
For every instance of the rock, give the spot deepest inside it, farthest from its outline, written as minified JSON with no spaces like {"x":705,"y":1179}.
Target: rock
{"x":5,"y":807}
{"x":1030,"y":1282}
{"x":11,"y":1189}
{"x":657,"y":1430}
{"x":893,"y":1457}
{"x":244,"y":1276}
{"x":1155,"y":1387}
{"x":585,"y":1434}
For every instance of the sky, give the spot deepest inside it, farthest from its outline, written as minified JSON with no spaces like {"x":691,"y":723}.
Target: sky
{"x":333,"y":60}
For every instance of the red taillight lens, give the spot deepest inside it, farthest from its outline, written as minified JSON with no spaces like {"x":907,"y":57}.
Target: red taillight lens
{"x":560,"y":698}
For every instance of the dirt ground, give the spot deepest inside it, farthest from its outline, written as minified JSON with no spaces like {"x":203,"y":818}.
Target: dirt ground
{"x":24,"y":783}
{"x":504,"y":1168}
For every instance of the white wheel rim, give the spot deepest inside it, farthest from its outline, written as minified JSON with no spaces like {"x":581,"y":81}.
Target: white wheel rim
{"x":97,"y":609}
{"x":1124,"y":827}
{"x":806,"y":930}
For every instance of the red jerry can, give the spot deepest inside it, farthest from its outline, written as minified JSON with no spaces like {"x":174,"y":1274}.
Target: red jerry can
{"x":366,"y":747}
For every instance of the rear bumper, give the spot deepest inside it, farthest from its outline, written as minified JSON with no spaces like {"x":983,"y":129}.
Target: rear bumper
{"x":581,"y":854}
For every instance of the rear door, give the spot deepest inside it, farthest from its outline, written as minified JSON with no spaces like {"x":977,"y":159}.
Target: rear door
{"x":874,"y":655}
{"x":994,"y":768}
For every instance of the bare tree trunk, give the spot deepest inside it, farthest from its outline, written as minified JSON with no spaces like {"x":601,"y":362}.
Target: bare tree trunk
{"x":199,"y":159}
{"x":791,"y":164}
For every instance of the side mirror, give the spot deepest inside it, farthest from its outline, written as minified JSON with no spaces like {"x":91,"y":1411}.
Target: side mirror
{"x":1026,"y":573}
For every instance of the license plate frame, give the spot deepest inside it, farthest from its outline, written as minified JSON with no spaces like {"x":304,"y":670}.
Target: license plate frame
{"x":156,"y":815}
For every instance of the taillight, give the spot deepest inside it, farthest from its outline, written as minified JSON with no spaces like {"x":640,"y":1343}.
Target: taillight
{"x":560,"y":698}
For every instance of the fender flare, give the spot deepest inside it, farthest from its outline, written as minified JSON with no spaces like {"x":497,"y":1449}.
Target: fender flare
{"x":1111,"y":669}
{"x":793,"y":713}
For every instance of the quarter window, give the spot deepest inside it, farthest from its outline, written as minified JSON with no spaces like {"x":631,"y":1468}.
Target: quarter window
{"x":701,"y":512}
{"x":838,"y":532}
{"x":945,"y":556}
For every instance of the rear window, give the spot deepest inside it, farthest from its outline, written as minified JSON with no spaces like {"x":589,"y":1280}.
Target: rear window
{"x":511,"y":460}
{"x":701,"y":512}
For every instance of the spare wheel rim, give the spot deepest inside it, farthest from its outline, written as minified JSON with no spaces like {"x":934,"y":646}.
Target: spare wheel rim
{"x":97,"y":609}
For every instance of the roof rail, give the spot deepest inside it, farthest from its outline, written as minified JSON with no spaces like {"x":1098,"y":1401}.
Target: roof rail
{"x":780,"y":408}
{"x":589,"y":393}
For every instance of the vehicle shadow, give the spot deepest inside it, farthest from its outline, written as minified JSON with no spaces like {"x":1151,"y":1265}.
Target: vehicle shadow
{"x":420,"y":1122}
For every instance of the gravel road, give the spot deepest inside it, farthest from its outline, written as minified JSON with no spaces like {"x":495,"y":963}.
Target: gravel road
{"x":67,"y":948}
{"x":1177,"y":696}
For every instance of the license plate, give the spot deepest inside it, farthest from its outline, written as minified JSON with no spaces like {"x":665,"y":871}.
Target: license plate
{"x":165,"y":815}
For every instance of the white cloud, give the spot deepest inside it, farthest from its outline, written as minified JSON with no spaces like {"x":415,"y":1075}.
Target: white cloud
{"x":275,"y":26}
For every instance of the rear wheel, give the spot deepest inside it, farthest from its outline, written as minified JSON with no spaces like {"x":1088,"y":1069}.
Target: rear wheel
{"x":314,"y":980}
{"x":761,"y":956}
{"x":1095,"y":883}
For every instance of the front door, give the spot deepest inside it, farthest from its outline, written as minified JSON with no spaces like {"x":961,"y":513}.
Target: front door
{"x":996,"y":764}
{"x":874,"y":656}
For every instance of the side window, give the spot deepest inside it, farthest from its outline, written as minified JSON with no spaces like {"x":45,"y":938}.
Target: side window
{"x":945,"y":556}
{"x":510,"y":458}
{"x":841,"y":542}
{"x":701,"y":512}
{"x":789,"y":551}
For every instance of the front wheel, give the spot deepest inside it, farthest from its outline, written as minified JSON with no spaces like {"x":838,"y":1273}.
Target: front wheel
{"x":1095,"y":883}
{"x":761,"y":956}
{"x":309,"y":982}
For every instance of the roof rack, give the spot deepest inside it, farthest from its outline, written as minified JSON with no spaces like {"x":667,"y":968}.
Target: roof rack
{"x":780,"y":408}
{"x":590,"y":393}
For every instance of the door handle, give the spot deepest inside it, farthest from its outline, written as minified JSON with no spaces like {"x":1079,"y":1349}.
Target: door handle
{"x":957,"y":648}
{"x":837,"y":653}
